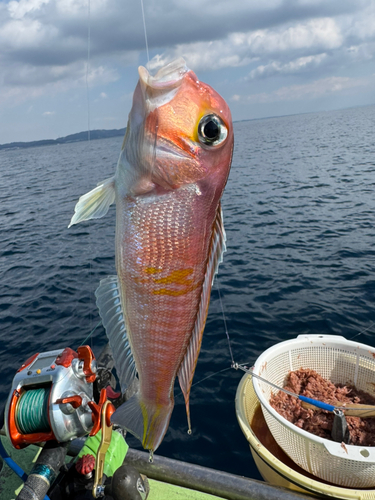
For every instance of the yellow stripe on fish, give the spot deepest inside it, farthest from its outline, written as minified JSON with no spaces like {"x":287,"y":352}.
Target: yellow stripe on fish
{"x":153,"y":422}
{"x":177,"y":277}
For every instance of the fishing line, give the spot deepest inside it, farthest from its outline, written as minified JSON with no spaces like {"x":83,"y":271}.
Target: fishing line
{"x":91,"y":318}
{"x":205,"y":378}
{"x":88,"y":67}
{"x":225,"y":321}
{"x":212,"y":375}
{"x":363,"y":331}
{"x":318,"y":404}
{"x":237,"y":366}
{"x":91,"y":333}
{"x":144,"y":28}
{"x":229,"y":345}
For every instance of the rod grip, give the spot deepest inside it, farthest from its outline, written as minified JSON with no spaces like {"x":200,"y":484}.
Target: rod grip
{"x":44,"y":472}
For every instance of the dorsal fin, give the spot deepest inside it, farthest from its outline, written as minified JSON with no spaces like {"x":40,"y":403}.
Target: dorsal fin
{"x":187,"y":368}
{"x":108,"y":300}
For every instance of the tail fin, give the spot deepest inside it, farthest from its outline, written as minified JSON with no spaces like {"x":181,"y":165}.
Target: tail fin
{"x":147,"y":422}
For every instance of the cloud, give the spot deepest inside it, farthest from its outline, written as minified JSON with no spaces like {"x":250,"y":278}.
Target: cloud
{"x":21,"y":83}
{"x":44,"y":32}
{"x":203,"y":56}
{"x":243,"y":48}
{"x":44,"y":44}
{"x":323,"y":33}
{"x":306,"y":63}
{"x":317,"y":88}
{"x":17,"y":35}
{"x":362,"y":26}
{"x":48,"y":113}
{"x":17,"y":10}
{"x":361,"y":52}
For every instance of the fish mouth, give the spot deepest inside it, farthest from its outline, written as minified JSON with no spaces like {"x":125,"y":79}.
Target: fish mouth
{"x":167,"y":78}
{"x":155,"y":91}
{"x":182,"y":151}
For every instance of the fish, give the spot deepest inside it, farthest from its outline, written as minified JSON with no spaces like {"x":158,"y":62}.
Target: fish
{"x":173,"y":166}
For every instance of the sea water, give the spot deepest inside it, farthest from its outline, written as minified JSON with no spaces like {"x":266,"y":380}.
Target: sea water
{"x":299,"y":213}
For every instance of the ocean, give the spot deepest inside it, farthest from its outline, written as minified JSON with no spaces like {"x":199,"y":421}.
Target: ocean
{"x":299,"y":212}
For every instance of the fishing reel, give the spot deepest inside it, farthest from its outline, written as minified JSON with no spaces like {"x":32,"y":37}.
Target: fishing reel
{"x":52,"y":398}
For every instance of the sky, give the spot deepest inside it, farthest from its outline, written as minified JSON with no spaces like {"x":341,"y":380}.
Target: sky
{"x":70,"y":65}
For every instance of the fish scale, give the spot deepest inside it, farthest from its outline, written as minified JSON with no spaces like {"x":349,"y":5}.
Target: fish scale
{"x":170,"y":254}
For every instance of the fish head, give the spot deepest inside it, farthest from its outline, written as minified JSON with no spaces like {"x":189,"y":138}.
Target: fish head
{"x":179,"y":133}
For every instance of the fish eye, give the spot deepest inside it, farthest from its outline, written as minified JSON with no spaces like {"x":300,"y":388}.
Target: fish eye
{"x":212,"y":130}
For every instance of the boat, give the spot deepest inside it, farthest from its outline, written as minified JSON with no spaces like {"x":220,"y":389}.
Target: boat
{"x":168,"y":479}
{"x":165,"y":478}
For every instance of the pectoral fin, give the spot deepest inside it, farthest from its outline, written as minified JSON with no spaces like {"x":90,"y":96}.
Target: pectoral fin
{"x":187,"y":369}
{"x":95,"y":203}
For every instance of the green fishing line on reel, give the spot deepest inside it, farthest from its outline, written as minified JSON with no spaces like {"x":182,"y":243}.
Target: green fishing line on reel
{"x":32,"y":411}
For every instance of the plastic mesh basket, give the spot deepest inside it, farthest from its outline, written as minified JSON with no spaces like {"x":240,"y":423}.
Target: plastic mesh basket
{"x":340,"y":361}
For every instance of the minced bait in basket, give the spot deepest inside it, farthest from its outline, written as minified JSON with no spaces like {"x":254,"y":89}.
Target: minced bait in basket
{"x":335,"y":359}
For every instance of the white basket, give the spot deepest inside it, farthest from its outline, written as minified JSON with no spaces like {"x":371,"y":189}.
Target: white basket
{"x":335,"y":359}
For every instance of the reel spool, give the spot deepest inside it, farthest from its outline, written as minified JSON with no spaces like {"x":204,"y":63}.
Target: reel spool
{"x":52,"y":398}
{"x":31,"y":415}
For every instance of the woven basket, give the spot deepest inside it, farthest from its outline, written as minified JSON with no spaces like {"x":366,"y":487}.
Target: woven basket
{"x":335,"y":359}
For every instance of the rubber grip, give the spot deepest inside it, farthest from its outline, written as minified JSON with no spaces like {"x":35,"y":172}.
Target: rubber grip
{"x":318,"y":404}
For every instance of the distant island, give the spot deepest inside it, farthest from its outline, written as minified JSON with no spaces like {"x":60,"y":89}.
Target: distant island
{"x":80,"y":136}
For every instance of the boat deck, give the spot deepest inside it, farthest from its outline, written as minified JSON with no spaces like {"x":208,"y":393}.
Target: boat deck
{"x":11,"y":484}
{"x":168,"y":478}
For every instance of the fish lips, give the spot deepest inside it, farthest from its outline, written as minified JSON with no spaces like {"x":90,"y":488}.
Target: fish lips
{"x":151,"y":93}
{"x":168,"y":76}
{"x":155,"y":91}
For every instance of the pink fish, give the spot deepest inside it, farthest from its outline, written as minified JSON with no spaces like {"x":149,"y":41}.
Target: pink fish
{"x":173,"y":167}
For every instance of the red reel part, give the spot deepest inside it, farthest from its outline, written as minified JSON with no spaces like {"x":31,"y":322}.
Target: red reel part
{"x":96,"y":409}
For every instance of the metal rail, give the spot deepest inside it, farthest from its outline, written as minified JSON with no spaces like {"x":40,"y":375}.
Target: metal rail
{"x":196,"y":477}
